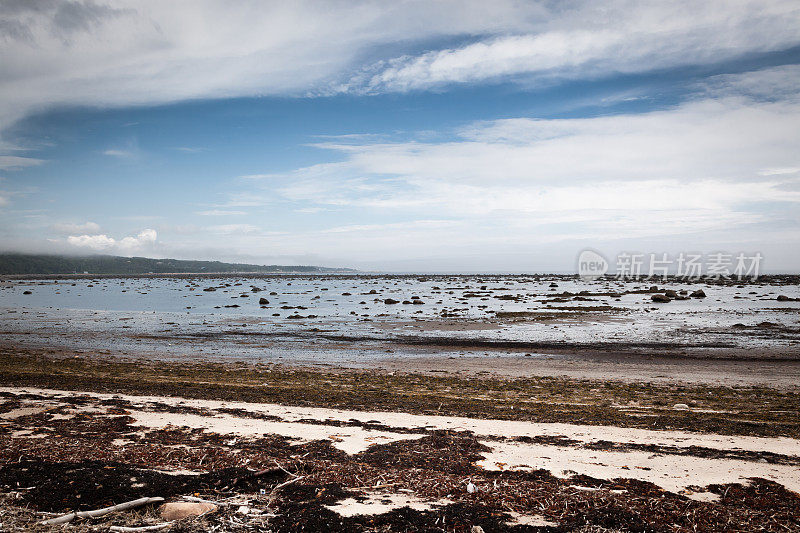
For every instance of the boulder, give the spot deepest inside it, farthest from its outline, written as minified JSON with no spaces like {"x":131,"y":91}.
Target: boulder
{"x":661,"y":298}
{"x":391,"y":301}
{"x":671,"y":294}
{"x":263,"y":301}
{"x":698,"y":294}
{"x":180,"y":510}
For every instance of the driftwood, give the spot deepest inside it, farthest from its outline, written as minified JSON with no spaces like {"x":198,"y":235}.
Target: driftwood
{"x":155,"y":527}
{"x":259,"y":473}
{"x":64,"y":519}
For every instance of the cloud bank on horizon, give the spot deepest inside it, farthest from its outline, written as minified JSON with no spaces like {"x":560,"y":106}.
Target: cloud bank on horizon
{"x":416,"y":135}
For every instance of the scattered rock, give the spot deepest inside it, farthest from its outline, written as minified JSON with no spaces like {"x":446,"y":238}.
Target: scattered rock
{"x":698,"y":294}
{"x":263,"y":301}
{"x":180,"y":510}
{"x":391,"y":301}
{"x":671,"y":294}
{"x":661,"y":298}
{"x":27,"y":292}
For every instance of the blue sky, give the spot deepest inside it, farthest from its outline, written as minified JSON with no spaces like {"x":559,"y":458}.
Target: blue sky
{"x":458,"y":136}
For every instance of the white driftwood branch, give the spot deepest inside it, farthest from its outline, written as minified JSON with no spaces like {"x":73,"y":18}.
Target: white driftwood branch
{"x":64,"y":519}
{"x":125,"y":529}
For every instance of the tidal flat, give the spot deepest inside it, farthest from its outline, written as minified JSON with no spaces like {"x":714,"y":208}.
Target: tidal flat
{"x":510,"y":403}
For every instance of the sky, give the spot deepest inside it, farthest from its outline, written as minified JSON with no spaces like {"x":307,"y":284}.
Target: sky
{"x":401,"y":136}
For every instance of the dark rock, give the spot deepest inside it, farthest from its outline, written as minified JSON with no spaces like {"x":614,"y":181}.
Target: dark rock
{"x":391,"y":301}
{"x":263,"y":301}
{"x":698,"y":294}
{"x":671,"y":294}
{"x":661,"y":298}
{"x":27,"y":292}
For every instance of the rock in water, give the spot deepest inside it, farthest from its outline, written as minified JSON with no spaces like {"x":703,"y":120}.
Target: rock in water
{"x":698,"y":294}
{"x":661,"y":298}
{"x":263,"y":301}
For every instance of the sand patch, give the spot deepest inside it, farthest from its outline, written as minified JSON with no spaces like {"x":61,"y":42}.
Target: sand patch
{"x":381,"y":502}
{"x":670,"y":472}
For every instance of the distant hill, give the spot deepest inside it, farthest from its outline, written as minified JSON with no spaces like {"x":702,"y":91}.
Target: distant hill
{"x":11,"y":264}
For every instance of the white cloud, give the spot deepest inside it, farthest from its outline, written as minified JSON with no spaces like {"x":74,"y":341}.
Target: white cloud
{"x":143,"y":241}
{"x":94,"y":242}
{"x":150,"y":52}
{"x":597,"y":38}
{"x":714,"y":163}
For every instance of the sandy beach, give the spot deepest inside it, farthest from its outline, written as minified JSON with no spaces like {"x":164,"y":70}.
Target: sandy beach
{"x":342,"y":449}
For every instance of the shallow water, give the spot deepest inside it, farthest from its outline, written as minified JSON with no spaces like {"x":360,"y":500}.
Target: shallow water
{"x":337,"y":318}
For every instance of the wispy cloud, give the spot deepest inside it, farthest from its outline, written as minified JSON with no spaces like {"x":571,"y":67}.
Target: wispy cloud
{"x":118,"y":153}
{"x":72,"y":228}
{"x":226,"y":229}
{"x":597,"y":39}
{"x":125,"y":54}
{"x":710,"y":163}
{"x":13,"y":162}
{"x":220,"y":213}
